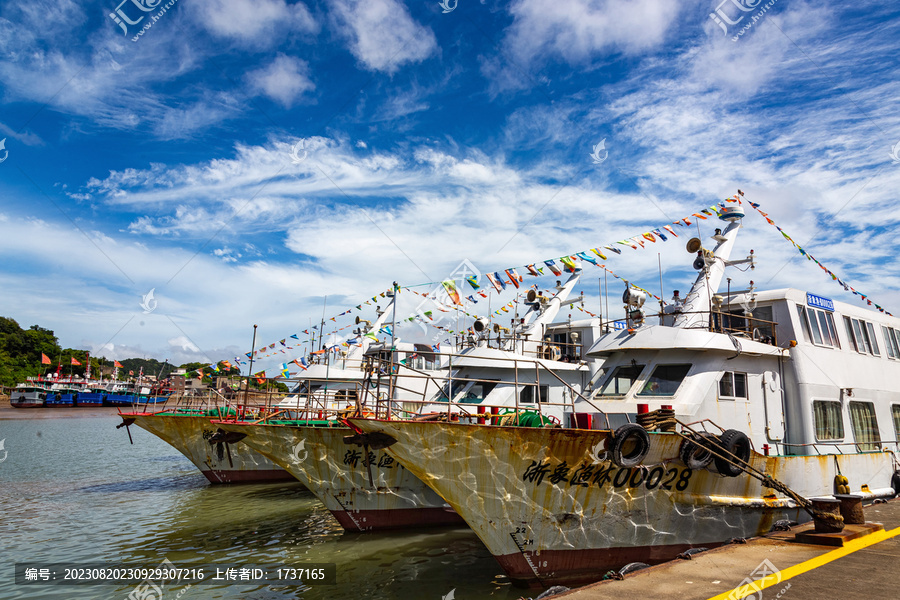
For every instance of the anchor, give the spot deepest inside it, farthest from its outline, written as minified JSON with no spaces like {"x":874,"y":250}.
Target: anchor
{"x":225,"y":438}
{"x":125,"y":423}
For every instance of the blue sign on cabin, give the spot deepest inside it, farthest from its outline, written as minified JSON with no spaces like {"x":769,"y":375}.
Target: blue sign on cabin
{"x":618,"y":324}
{"x":819,"y":302}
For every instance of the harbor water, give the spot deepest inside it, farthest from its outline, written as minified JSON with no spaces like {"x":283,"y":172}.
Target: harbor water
{"x":73,"y":490}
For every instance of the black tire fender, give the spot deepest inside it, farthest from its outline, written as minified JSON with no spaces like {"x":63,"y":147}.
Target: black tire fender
{"x":639,"y":438}
{"x":694,"y":452}
{"x":737,"y":443}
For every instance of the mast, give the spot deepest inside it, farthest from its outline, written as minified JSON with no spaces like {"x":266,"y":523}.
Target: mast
{"x":250,"y":368}
{"x":533,"y":331}
{"x":359,"y":351}
{"x":698,"y":302}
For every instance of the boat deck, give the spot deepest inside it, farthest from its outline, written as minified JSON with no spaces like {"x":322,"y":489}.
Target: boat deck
{"x":862,"y":569}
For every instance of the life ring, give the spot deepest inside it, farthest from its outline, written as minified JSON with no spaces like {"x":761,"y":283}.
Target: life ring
{"x":733,"y":442}
{"x":694,"y":452}
{"x":550,"y":352}
{"x":630,"y":445}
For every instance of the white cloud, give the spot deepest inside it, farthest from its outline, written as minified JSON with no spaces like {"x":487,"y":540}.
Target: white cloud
{"x":285,"y":80}
{"x":182,"y":342}
{"x":382,"y":34}
{"x":255,"y":22}
{"x":578,"y":30}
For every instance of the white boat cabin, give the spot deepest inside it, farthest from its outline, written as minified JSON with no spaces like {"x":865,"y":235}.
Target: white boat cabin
{"x":797,"y":372}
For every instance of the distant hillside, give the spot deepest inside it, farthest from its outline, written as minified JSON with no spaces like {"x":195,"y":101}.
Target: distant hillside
{"x":21,"y":349}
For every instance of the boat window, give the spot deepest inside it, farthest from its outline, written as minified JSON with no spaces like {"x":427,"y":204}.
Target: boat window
{"x":814,"y":326}
{"x":804,"y":324}
{"x":463,"y":390}
{"x":873,"y":341}
{"x":665,"y":380}
{"x":733,"y":385}
{"x":527,"y":396}
{"x":895,"y":412}
{"x":889,"y":342}
{"x":863,"y":336}
{"x":829,"y":422}
{"x":818,"y":326}
{"x":894,"y":340}
{"x":851,"y":335}
{"x":826,"y":332}
{"x":475,"y":392}
{"x":764,"y":313}
{"x":832,"y":329}
{"x":865,"y":426}
{"x":621,"y":380}
{"x":862,"y":344}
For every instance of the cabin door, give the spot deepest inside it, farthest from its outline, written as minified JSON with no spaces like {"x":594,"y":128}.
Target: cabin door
{"x":774,"y":407}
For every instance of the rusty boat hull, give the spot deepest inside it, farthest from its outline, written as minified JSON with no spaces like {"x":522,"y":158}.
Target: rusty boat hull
{"x":551,"y":509}
{"x":339,"y":477}
{"x":219,"y":462}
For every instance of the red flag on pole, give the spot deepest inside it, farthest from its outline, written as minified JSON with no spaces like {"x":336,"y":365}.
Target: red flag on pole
{"x":75,"y":362}
{"x":45,"y":360}
{"x":117,"y":364}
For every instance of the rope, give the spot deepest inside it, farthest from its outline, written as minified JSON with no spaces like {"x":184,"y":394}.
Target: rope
{"x":765,"y":478}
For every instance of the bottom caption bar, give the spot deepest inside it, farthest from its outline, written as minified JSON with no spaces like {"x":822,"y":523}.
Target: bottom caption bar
{"x":168,"y":573}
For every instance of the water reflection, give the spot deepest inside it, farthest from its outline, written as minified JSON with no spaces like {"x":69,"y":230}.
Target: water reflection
{"x":81,"y":493}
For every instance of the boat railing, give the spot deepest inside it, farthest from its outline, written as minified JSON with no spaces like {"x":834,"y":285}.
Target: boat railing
{"x":861,"y":447}
{"x":386,"y":407}
{"x":740,"y":325}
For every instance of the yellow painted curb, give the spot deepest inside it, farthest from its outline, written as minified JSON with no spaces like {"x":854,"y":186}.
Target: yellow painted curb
{"x":742,"y":591}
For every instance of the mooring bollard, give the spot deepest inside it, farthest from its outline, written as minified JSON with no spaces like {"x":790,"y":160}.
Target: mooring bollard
{"x":832,"y":507}
{"x":851,"y":509}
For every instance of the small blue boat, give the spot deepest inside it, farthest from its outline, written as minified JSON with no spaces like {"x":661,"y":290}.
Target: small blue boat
{"x":91,"y":397}
{"x":121,"y":398}
{"x":61,"y":397}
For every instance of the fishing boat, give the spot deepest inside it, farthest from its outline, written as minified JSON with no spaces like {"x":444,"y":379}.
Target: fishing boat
{"x":729,"y":415}
{"x":364,"y":490}
{"x":212,"y":451}
{"x":91,"y":395}
{"x":519,"y":377}
{"x":218,"y":453}
{"x":118,"y":394}
{"x":62,"y":395}
{"x":28,"y":396}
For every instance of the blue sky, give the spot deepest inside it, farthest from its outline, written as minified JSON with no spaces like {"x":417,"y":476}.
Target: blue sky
{"x":426,"y":137}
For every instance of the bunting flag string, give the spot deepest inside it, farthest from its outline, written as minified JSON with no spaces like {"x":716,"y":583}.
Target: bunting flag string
{"x":864,"y":297}
{"x":500,"y":279}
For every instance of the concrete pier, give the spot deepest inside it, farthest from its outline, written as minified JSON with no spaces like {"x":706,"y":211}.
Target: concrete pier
{"x":863,"y":568}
